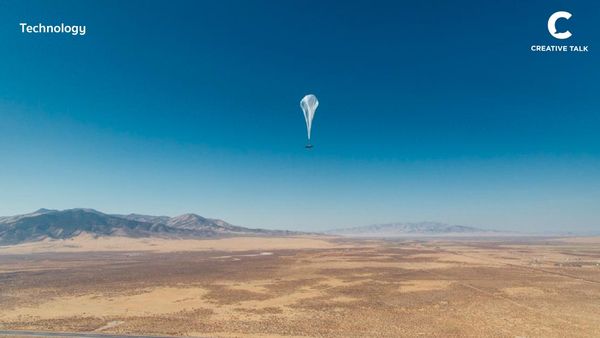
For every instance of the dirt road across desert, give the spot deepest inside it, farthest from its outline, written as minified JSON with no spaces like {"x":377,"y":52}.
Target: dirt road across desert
{"x":23,"y":333}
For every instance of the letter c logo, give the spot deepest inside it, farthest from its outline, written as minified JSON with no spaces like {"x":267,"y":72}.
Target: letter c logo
{"x":552,"y":25}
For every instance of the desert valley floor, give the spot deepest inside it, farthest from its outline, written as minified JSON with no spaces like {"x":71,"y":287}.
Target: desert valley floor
{"x":305,"y":287}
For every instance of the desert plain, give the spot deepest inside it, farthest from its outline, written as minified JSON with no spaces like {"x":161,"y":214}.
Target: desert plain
{"x":304,"y":287}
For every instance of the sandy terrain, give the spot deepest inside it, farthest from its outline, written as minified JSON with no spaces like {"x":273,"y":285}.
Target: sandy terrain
{"x":304,"y":287}
{"x":87,"y":243}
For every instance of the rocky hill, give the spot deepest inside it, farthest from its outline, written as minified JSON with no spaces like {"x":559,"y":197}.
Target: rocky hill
{"x":61,"y":224}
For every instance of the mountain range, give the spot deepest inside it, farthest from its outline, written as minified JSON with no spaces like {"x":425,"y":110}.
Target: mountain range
{"x":62,"y":224}
{"x":409,"y":229}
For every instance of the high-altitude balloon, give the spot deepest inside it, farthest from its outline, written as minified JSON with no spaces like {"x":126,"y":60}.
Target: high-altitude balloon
{"x":309,"y":105}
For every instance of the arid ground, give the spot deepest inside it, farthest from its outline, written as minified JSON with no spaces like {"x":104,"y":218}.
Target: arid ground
{"x":305,"y":287}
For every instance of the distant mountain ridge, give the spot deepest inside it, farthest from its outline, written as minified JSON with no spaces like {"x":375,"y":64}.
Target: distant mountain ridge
{"x":408,"y":229}
{"x":62,"y":224}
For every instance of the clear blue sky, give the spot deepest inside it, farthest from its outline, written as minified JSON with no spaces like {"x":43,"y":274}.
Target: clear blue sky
{"x":430,"y":110}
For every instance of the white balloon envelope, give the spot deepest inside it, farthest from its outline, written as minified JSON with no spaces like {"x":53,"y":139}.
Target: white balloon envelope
{"x":309,"y":104}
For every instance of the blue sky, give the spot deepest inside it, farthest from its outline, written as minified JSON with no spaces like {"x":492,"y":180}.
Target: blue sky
{"x":429,"y":110}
